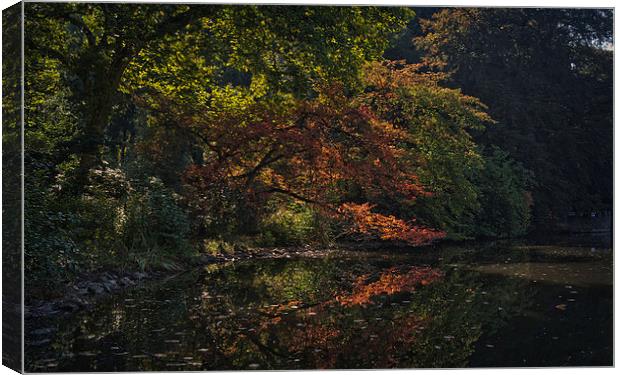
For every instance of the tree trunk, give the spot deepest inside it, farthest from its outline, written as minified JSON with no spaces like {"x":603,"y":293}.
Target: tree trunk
{"x":99,"y":103}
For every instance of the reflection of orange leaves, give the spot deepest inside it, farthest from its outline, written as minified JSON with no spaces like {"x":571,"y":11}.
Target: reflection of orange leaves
{"x":317,"y":341}
{"x":313,"y":335}
{"x":390,"y":282}
{"x":386,"y":227}
{"x":393,"y":341}
{"x":279,"y":308}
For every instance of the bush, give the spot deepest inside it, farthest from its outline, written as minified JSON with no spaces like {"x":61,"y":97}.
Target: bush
{"x":153,"y":225}
{"x":115,"y":223}
{"x":66,"y":233}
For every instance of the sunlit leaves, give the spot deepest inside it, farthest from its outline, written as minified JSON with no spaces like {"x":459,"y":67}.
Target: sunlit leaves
{"x":370,"y":225}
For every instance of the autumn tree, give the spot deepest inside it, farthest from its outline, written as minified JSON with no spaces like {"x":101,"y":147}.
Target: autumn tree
{"x":439,"y":124}
{"x":314,"y":151}
{"x":103,"y":174}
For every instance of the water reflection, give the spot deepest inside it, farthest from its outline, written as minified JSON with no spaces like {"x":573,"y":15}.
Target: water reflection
{"x":448,"y":307}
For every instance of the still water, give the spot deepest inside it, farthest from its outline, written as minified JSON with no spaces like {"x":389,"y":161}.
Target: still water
{"x":478,"y":305}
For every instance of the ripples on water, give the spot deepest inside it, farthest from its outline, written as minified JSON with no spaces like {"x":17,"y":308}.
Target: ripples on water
{"x":495,"y":304}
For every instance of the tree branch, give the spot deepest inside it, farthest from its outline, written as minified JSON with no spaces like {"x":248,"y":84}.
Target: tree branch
{"x":292,"y":194}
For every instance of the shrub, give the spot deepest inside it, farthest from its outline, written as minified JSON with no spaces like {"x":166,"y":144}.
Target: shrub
{"x":153,"y":222}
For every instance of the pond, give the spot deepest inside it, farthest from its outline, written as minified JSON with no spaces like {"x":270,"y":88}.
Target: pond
{"x":507,"y":304}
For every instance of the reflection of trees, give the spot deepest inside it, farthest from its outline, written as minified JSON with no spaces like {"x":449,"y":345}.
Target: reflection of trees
{"x":391,"y":281}
{"x":383,"y":319}
{"x":302,"y":313}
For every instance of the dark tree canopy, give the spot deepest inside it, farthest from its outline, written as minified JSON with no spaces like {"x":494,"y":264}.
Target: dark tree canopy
{"x":546,"y":76}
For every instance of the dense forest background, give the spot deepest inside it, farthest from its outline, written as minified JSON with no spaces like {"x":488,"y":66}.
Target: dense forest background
{"x":155,"y":133}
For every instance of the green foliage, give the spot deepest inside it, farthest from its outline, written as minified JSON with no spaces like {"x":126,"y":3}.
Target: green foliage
{"x":440,"y":122}
{"x":505,"y":199}
{"x":290,"y":224}
{"x":51,"y":254}
{"x":115,"y":224}
{"x":153,"y":222}
{"x":66,"y":235}
{"x":545,"y":75}
{"x":217,"y":247}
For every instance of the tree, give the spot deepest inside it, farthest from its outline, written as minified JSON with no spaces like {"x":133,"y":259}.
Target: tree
{"x":313,"y":151}
{"x":439,"y":123}
{"x":96,"y":45}
{"x":541,"y":72}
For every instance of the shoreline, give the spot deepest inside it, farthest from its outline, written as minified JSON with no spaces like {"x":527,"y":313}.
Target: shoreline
{"x":87,"y":291}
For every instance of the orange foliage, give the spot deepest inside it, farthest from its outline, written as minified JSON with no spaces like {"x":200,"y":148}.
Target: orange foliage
{"x":315,"y":151}
{"x":304,"y":153}
{"x":364,"y":222}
